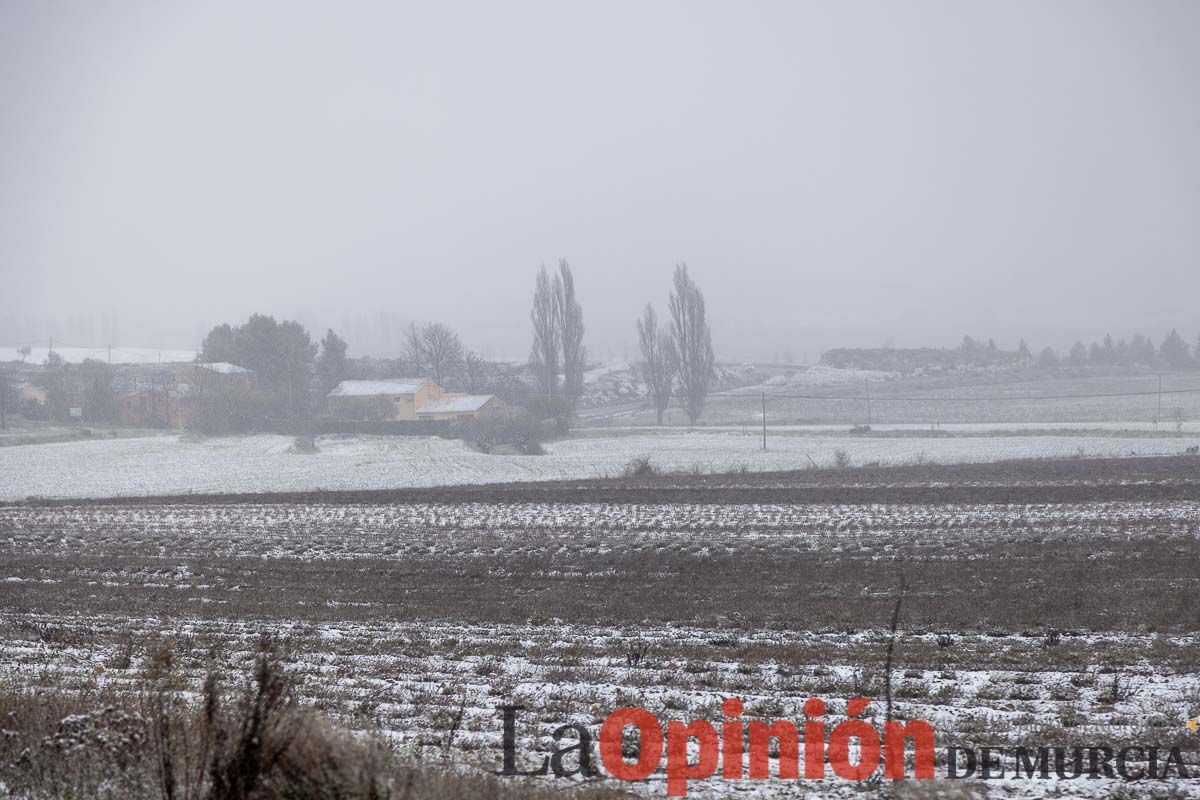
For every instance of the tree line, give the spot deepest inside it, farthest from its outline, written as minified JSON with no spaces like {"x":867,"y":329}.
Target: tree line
{"x":1172,"y":353}
{"x":676,"y":361}
{"x":1138,"y":351}
{"x":89,"y":386}
{"x":292,"y":373}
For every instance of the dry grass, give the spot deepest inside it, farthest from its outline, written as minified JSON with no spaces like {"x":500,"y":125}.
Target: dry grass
{"x":256,"y":744}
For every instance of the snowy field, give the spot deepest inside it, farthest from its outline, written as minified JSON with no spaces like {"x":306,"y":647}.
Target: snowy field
{"x":478,"y":530}
{"x":173,"y":464}
{"x":408,"y":680}
{"x":1027,"y":624}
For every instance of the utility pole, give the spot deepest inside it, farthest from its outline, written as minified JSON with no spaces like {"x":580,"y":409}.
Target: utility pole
{"x":764,"y":419}
{"x":1158,"y":414}
{"x":867,"y":387}
{"x":110,"y":354}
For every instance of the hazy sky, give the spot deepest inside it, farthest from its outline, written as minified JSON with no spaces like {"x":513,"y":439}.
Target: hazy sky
{"x":833,"y":173}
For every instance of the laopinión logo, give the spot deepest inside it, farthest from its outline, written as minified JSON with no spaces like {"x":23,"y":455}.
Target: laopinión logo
{"x":853,"y":750}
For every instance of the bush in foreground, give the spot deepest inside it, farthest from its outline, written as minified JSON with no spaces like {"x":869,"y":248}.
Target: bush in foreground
{"x":258,"y":744}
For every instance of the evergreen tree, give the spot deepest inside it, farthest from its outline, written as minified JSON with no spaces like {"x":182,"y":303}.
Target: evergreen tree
{"x":219,"y":346}
{"x":1174,"y":353}
{"x":99,"y":397}
{"x":1122,"y":354}
{"x":1108,"y":351}
{"x":1078,"y":355}
{"x":280,"y":354}
{"x":1024,"y":357}
{"x":1141,"y":350}
{"x":332,"y":367}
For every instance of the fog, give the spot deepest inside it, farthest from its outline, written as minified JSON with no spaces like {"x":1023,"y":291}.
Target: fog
{"x":833,"y":173}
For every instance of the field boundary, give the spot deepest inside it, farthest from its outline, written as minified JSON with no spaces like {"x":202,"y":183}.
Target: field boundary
{"x":1074,"y":480}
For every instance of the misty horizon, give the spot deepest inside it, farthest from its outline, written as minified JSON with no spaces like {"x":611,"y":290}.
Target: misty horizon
{"x":833,"y":175}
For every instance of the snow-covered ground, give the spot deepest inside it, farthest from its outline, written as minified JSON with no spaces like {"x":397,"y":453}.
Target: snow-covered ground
{"x":822,"y":375}
{"x":1131,"y":427}
{"x":173,"y":464}
{"x":120,"y":355}
{"x":405,"y":679}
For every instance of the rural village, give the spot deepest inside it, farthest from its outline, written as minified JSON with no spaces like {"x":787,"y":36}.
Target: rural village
{"x":599,"y":400}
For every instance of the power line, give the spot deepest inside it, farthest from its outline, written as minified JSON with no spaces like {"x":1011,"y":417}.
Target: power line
{"x":930,"y":399}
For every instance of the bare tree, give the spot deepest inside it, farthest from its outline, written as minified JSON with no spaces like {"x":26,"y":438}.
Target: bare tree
{"x":693,"y":343}
{"x":433,"y":350}
{"x":570,"y":333}
{"x":414,"y":350}
{"x":543,"y":359}
{"x":443,"y":352}
{"x":658,"y":360}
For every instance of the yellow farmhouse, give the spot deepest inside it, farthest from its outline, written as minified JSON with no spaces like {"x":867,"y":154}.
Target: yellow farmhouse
{"x":408,"y":400}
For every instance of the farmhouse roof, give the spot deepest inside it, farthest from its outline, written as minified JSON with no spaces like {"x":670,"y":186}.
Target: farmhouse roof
{"x":224,"y":367}
{"x":466,"y":404}
{"x":391,"y":386}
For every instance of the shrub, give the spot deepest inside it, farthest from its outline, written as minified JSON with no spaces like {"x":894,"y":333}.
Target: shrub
{"x":641,"y":467}
{"x":257,"y":744}
{"x":518,"y":429}
{"x":557,"y":409}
